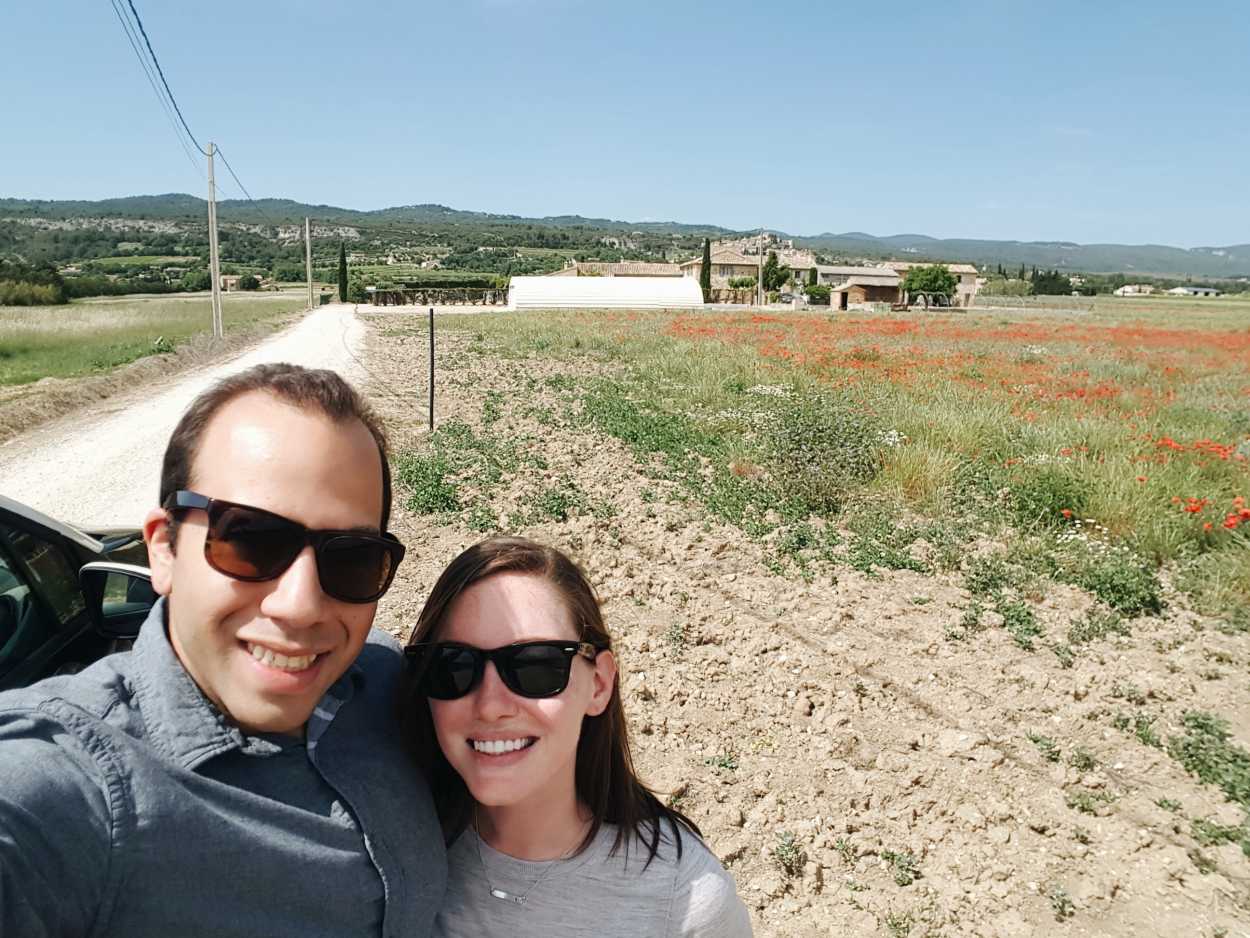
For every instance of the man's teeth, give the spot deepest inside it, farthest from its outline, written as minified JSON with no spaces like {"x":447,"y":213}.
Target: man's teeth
{"x":497,"y":747}
{"x":271,"y":659}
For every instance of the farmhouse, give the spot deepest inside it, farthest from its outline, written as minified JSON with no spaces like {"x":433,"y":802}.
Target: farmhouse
{"x":728,"y":263}
{"x":1134,"y":289}
{"x":1194,"y":291}
{"x":604,"y":293}
{"x":965,"y":275}
{"x":858,"y":286}
{"x":618,"y":269}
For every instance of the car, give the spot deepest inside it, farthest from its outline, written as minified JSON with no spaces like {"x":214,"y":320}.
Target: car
{"x":67,"y":596}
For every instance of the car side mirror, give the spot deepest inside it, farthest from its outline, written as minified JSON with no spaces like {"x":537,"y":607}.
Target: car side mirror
{"x":119,"y":596}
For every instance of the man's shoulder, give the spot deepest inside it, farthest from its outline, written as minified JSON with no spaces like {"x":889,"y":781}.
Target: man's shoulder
{"x":382,"y":657}
{"x":92,"y":694}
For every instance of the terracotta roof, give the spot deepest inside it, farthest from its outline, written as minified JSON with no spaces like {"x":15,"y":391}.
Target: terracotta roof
{"x":908,"y":265}
{"x":621,"y":269}
{"x":867,"y":280}
{"x":828,"y":270}
{"x":726,"y":257}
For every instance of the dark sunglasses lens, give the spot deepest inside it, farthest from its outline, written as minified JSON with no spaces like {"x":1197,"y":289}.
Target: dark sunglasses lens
{"x":251,"y":545}
{"x":536,"y":670}
{"x":449,"y":672}
{"x":355,"y":569}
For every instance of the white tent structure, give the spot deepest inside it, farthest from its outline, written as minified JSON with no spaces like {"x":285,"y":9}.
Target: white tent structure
{"x":604,"y":293}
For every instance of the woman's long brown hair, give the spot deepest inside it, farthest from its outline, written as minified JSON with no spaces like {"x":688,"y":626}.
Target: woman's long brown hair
{"x":605,"y":777}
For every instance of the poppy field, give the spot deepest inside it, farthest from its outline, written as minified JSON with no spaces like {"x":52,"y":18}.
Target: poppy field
{"x":1107,"y":448}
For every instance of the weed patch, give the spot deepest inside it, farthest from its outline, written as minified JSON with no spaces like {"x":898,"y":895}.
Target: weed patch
{"x":1205,"y":752}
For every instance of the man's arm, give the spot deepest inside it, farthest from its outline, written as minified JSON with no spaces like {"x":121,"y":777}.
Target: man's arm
{"x":55,"y":829}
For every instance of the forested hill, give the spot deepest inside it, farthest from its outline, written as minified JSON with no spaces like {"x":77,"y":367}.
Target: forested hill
{"x":1145,"y":259}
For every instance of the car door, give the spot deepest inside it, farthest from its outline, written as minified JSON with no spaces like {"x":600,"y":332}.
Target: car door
{"x":43,"y":611}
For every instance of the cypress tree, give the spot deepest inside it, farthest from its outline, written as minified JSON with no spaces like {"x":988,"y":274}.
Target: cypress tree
{"x":705,"y":271}
{"x":811,"y":277}
{"x":342,"y":273}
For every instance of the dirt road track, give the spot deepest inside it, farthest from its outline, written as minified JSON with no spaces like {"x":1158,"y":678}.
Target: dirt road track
{"x":103,"y":467}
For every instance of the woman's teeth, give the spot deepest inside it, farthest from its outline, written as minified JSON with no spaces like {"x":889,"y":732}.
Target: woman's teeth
{"x":497,"y":747}
{"x":271,"y":659}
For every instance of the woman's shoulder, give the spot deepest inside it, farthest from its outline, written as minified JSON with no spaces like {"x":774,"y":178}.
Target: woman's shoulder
{"x":704,"y":895}
{"x":705,"y":900}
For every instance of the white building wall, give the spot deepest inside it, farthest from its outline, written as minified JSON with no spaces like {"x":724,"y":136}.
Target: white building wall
{"x":604,"y":293}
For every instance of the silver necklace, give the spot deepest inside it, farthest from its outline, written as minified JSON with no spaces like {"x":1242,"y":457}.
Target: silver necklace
{"x":502,"y":894}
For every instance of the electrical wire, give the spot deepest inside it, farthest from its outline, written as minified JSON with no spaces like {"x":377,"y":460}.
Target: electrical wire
{"x":155,"y":61}
{"x":239,"y":183}
{"x":147,"y":71}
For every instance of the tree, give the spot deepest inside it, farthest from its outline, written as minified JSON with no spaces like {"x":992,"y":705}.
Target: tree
{"x":775,"y":275}
{"x":705,"y":271}
{"x":1020,"y":276}
{"x":197,"y":280}
{"x":248,"y":282}
{"x":811,"y":277}
{"x":934,"y":278}
{"x":342,"y":273}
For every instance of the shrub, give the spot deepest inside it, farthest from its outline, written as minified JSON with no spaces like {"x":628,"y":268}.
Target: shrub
{"x":1041,"y":498}
{"x":1118,"y":577}
{"x":818,"y":294}
{"x":823,"y":447}
{"x":741,"y":283}
{"x":248,"y":282}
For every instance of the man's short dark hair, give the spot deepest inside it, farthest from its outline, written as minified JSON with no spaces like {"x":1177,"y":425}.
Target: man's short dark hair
{"x":307,"y":388}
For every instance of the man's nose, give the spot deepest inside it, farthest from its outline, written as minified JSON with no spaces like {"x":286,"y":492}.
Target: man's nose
{"x":493,"y":699}
{"x":296,"y":598}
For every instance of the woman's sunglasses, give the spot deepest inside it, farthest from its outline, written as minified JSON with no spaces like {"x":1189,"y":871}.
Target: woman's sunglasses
{"x":252,"y":544}
{"x":447,"y":671}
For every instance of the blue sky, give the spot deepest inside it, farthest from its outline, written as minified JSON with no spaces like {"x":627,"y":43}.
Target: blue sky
{"x":1091,"y":122}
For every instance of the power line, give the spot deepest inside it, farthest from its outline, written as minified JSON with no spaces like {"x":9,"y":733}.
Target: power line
{"x":239,"y":183}
{"x":160,"y":71}
{"x":147,"y":71}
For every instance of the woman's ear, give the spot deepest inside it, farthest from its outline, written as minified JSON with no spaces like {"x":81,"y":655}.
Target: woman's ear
{"x":605,"y":681}
{"x":160,"y":550}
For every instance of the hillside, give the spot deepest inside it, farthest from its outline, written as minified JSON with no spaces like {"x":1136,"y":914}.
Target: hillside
{"x":1161,"y":260}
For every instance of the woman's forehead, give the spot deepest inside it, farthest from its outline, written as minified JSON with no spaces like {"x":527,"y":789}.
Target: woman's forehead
{"x":506,"y":608}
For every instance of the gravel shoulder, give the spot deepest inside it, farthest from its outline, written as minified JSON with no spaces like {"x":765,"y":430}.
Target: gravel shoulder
{"x":102,"y":466}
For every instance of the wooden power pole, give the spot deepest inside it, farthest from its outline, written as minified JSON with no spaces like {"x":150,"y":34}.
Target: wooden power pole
{"x":214,"y":260}
{"x":308,"y":259}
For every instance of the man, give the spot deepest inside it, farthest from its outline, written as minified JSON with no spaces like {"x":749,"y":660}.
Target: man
{"x":237,"y":773}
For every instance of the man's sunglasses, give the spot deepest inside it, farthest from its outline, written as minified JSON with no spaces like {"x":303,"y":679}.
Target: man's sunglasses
{"x":252,"y":544}
{"x":447,"y":670}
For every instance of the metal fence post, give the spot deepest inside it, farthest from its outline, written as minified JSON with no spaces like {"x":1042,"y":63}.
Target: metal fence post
{"x":431,"y":369}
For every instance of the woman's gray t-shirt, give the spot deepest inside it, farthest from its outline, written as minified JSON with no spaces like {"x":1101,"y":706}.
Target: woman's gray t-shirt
{"x":591,"y":893}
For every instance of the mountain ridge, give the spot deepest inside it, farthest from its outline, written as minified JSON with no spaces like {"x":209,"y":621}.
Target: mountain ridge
{"x":1229,"y":261}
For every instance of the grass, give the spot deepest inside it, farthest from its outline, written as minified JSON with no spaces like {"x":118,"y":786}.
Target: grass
{"x":96,"y":335}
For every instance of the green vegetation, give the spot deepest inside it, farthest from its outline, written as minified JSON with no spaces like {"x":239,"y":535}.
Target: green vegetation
{"x":705,"y":271}
{"x":1205,"y":751}
{"x":92,"y":336}
{"x":933,"y":278}
{"x":342,"y":272}
{"x":775,"y":275}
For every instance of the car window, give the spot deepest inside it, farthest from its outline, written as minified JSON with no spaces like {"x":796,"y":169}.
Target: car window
{"x":25,"y":623}
{"x":56,"y":579}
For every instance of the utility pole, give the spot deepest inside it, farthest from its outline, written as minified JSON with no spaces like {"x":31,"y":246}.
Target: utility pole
{"x":308,"y":258}
{"x":759,"y":277}
{"x":214,"y":260}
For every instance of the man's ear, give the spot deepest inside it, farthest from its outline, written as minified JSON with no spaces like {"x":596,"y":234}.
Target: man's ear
{"x":160,"y":550}
{"x":605,"y":680}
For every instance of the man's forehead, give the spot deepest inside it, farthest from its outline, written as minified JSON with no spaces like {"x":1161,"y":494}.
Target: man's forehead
{"x":260,"y":443}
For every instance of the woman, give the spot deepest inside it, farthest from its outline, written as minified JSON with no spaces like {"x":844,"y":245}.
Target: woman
{"x":514,"y":708}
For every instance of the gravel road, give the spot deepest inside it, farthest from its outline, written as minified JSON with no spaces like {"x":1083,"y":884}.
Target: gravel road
{"x":103,"y":468}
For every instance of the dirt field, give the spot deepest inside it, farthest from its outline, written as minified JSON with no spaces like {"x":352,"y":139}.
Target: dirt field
{"x":861,"y":764}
